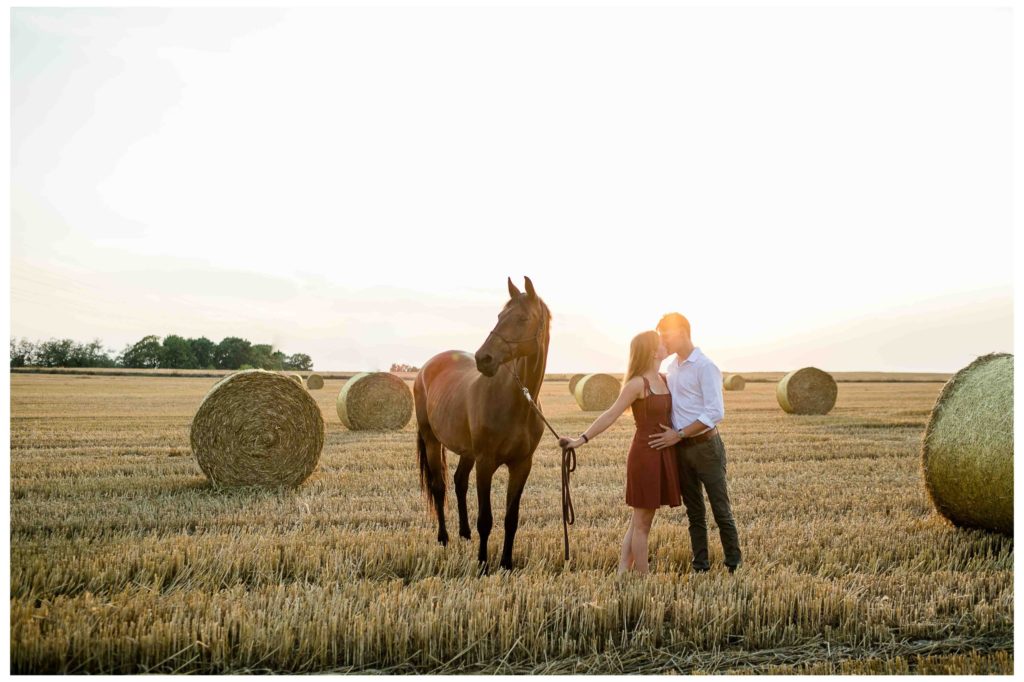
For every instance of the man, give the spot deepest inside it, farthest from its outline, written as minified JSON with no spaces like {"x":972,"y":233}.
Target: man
{"x":697,"y":407}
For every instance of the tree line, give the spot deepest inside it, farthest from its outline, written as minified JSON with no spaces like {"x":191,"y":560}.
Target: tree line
{"x":399,"y":367}
{"x":152,"y":352}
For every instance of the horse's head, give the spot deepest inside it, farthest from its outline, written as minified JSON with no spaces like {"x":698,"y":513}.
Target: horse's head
{"x":522,"y":330}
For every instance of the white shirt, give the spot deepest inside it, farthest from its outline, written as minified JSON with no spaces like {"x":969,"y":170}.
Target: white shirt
{"x":696,"y":387}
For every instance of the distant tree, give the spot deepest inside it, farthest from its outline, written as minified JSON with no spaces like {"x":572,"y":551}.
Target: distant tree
{"x":107,"y":358}
{"x":144,"y":354}
{"x":89,"y":355}
{"x":22,"y":353}
{"x":262,"y":355}
{"x":60,"y":353}
{"x":396,"y":367}
{"x":55,"y":352}
{"x":203,"y":350}
{"x":231,"y":353}
{"x":280,"y":359}
{"x":299,"y":361}
{"x":176,"y":353}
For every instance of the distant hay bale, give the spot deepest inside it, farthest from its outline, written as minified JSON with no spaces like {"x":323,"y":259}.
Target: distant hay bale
{"x":967,"y":450}
{"x":573,"y":381}
{"x":734,"y":382}
{"x":257,"y":428}
{"x":807,"y":391}
{"x":375,"y":401}
{"x":596,"y":392}
{"x":314,"y":382}
{"x":298,"y":378}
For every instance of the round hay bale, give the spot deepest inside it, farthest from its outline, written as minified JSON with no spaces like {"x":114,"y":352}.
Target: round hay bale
{"x":573,"y":380}
{"x":596,"y":392}
{"x":257,"y":428}
{"x":314,"y":382}
{"x":807,"y":391}
{"x":734,"y":382}
{"x":375,"y":401}
{"x":298,"y":378}
{"x":967,"y":450}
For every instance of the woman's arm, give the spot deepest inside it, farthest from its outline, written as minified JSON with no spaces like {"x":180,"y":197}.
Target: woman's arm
{"x":630,"y":392}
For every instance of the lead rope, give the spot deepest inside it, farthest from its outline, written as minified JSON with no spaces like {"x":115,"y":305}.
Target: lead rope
{"x":568,"y":466}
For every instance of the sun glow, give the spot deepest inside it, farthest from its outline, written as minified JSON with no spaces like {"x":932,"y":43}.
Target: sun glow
{"x":370,"y":210}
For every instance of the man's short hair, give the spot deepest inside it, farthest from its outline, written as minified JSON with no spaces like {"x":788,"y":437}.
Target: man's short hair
{"x":673,"y":321}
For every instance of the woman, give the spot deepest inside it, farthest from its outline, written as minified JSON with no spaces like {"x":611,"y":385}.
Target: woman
{"x":651,"y":475}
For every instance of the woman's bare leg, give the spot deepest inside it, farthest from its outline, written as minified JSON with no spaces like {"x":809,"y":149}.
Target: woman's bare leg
{"x":626,"y":553}
{"x":641,"y":528}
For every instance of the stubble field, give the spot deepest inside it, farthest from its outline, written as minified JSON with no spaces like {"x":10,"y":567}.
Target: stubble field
{"x":124,"y":559}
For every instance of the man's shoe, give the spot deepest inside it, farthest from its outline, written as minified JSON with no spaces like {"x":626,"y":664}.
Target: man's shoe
{"x":700,"y":570}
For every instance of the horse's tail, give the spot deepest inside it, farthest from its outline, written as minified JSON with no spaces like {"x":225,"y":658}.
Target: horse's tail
{"x":432,"y":481}
{"x":421,"y":445}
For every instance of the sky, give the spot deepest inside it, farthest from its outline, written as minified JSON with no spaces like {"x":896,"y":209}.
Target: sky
{"x":826,"y":186}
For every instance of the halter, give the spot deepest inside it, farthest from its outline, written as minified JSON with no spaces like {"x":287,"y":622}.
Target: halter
{"x":511,"y":345}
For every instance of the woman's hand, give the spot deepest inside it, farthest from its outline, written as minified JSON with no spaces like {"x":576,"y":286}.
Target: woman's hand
{"x":566,"y":443}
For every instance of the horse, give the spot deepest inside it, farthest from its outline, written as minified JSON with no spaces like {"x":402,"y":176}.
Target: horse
{"x":464,"y":404}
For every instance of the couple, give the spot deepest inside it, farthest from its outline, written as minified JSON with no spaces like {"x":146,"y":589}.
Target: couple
{"x":676,"y":447}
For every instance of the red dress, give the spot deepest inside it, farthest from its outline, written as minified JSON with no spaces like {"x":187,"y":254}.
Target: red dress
{"x":652,"y":477}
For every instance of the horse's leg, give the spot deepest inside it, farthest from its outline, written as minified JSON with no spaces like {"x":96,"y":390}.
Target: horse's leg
{"x":518,"y":472}
{"x":484,"y":472}
{"x":461,"y":487}
{"x":433,"y":472}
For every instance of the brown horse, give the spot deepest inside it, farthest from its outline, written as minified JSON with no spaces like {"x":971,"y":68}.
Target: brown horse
{"x":466,"y":405}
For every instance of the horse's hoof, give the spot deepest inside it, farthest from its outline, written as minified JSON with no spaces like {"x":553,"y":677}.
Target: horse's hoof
{"x":443,"y":539}
{"x":465,"y":536}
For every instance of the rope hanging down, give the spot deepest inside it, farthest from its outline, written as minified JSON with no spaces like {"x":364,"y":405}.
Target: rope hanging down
{"x":568,"y":466}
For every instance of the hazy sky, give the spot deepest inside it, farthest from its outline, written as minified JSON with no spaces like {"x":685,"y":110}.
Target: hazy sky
{"x":810,"y":186}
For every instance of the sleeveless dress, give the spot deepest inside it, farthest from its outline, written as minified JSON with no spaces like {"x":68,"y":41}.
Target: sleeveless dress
{"x":652,"y":478}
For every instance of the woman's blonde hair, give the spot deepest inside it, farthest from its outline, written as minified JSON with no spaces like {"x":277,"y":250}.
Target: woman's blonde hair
{"x":641,"y":348}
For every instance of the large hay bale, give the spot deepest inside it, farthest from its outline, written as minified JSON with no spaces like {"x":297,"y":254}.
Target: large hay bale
{"x":573,"y":380}
{"x":257,"y":428}
{"x":596,"y":392}
{"x":967,"y":450}
{"x":734,"y":382}
{"x":807,"y":391}
{"x":375,"y":401}
{"x":314,"y":382}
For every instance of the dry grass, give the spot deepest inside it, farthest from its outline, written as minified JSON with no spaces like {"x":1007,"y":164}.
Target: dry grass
{"x":257,"y":428}
{"x":596,"y":392}
{"x":125,"y":560}
{"x":375,"y":401}
{"x":967,"y":453}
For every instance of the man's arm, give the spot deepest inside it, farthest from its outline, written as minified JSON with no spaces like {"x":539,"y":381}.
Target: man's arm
{"x":710,"y":379}
{"x":670,"y":436}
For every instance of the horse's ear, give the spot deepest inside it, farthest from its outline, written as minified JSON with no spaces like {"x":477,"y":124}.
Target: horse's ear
{"x":529,"y":289}
{"x":512,"y":291}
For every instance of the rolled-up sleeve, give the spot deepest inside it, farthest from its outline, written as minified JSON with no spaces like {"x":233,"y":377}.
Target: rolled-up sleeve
{"x":711,"y":389}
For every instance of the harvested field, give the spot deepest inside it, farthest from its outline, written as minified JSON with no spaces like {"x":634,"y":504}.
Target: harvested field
{"x":125,"y":560}
{"x":760,"y":377}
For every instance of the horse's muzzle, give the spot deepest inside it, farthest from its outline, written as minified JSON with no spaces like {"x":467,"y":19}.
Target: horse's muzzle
{"x":486,"y":364}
